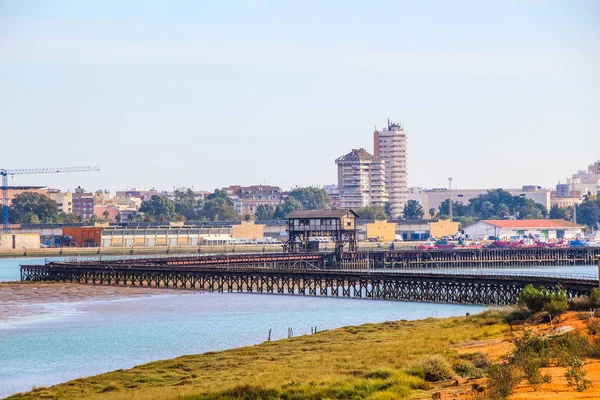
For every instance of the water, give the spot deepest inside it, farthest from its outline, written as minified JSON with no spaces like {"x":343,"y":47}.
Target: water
{"x":87,"y":338}
{"x":90,"y":337}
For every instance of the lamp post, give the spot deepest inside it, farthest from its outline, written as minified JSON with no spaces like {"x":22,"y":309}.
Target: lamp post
{"x":450,"y":198}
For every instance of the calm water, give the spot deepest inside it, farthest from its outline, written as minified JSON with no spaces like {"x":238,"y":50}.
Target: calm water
{"x":86,"y":338}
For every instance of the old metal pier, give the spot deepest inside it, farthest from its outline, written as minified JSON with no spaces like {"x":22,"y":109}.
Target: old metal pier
{"x":304,"y":274}
{"x":469,"y":258}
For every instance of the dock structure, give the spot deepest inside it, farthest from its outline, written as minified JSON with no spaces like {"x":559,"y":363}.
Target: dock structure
{"x":306,"y":225}
{"x":473,"y":258}
{"x":311,"y":274}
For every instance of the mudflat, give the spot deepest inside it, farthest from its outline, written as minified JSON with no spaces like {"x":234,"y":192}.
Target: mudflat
{"x":19,"y":300}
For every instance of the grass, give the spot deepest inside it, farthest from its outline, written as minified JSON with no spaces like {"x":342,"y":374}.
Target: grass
{"x":370,"y":361}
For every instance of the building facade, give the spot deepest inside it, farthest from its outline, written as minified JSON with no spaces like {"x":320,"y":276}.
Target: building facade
{"x":64,"y":200}
{"x":247,"y":198}
{"x":83,"y":204}
{"x":391,"y":144}
{"x":584,"y":182}
{"x":433,"y":198}
{"x":511,"y":229}
{"x":361,"y":180}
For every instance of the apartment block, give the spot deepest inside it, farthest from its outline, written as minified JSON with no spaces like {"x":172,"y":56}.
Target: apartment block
{"x":361,"y":179}
{"x":390,"y":144}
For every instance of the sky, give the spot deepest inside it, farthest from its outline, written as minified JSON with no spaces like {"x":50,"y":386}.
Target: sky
{"x":207,"y":94}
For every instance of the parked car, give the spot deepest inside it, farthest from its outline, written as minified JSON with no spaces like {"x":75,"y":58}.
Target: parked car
{"x":426,"y":246}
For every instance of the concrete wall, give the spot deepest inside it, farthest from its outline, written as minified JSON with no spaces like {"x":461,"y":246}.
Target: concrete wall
{"x":19,"y":241}
{"x":443,"y":228}
{"x":247,"y":230}
{"x":382,"y":230}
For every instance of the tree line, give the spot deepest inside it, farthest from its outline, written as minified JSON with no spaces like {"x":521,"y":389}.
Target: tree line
{"x":31,"y":207}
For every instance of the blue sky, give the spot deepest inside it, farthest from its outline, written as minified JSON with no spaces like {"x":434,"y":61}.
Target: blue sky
{"x":208,"y":94}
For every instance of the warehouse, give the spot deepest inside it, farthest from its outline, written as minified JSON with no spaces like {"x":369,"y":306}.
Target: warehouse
{"x":489,"y":229}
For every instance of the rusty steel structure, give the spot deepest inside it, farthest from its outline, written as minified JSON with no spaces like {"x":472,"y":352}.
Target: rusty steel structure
{"x":337,"y":225}
{"x":310,"y":274}
{"x":470,"y":258}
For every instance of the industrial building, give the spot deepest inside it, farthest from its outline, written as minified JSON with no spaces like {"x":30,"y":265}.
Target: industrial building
{"x":433,"y":198}
{"x":510,"y":229}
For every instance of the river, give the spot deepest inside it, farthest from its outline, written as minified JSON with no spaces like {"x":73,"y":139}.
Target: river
{"x":84,"y":338}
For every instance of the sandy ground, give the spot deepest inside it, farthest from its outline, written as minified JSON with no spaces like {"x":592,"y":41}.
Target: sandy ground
{"x":22,"y":300}
{"x":557,"y":389}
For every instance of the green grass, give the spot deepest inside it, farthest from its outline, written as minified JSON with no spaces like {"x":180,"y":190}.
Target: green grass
{"x":370,"y":361}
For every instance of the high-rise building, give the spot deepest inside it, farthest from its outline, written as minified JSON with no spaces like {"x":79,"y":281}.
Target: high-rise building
{"x":361,"y":180}
{"x":391,"y":145}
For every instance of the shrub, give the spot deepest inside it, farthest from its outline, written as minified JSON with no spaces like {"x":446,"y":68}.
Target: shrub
{"x":502,"y":379}
{"x":576,"y":375}
{"x":584,"y":316}
{"x":555,"y":303}
{"x":478,"y":359}
{"x":595,"y":296}
{"x":433,"y":369}
{"x":556,"y":306}
{"x":532,"y":298}
{"x":533,"y":373}
{"x":463,"y":368}
{"x":593,"y":326}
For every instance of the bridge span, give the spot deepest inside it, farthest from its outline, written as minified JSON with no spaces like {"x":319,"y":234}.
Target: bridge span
{"x":304,"y":274}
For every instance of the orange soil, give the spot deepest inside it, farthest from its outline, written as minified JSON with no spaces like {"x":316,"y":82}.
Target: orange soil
{"x":557,"y":389}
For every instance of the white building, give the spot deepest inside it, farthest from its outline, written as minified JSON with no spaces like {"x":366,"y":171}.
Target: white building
{"x":511,"y":228}
{"x":391,"y":145}
{"x":434,"y":197}
{"x":361,"y":180}
{"x":64,"y":200}
{"x":579,"y":184}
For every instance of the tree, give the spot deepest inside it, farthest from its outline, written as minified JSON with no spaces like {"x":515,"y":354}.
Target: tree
{"x":289,"y":204}
{"x":431,"y":212}
{"x":264,"y":212}
{"x":30,"y":218}
{"x":412,"y":210}
{"x":158,"y":208}
{"x":388,"y":210}
{"x":27,"y":204}
{"x":557,"y":212}
{"x":372,"y":212}
{"x":186,"y":204}
{"x":588,"y":212}
{"x":248,"y":217}
{"x":532,"y":298}
{"x":106,"y":214}
{"x":312,"y":198}
{"x":219,"y":207}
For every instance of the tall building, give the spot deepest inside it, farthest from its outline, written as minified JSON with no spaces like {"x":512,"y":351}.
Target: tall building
{"x":391,"y":145}
{"x":361,"y":180}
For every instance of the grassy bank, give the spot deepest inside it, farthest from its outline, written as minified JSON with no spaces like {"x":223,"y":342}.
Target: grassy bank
{"x":376,"y":361}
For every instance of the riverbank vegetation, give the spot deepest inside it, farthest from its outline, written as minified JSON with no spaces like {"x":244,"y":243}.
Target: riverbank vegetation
{"x":498,"y":354}
{"x":378,"y":361}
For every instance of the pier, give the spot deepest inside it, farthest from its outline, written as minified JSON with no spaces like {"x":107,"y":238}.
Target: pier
{"x":316,"y":274}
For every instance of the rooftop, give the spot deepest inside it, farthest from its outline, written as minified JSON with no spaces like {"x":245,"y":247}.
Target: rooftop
{"x":320,"y":213}
{"x":358,"y":155}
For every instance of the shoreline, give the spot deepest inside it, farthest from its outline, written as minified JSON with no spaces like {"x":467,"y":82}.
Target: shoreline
{"x":32,"y":301}
{"x":366,"y":359}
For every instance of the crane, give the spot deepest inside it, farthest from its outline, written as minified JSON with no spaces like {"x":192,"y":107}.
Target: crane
{"x":30,"y":171}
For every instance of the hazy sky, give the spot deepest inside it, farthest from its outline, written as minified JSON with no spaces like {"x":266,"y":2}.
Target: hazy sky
{"x":208,"y":94}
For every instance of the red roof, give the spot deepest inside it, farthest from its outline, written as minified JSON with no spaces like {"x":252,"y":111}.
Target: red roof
{"x":531,"y":223}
